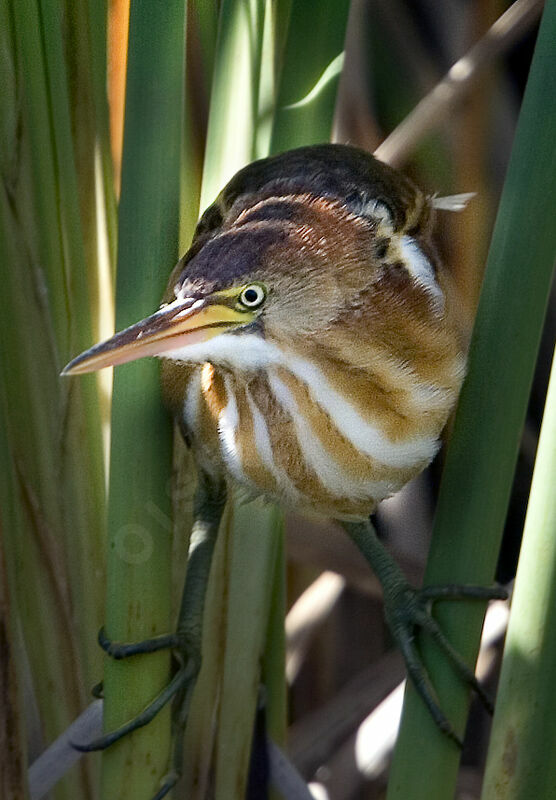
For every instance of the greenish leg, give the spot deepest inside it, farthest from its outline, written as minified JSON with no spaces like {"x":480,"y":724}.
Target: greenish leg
{"x":407,"y":608}
{"x":186,"y":642}
{"x":209,"y":506}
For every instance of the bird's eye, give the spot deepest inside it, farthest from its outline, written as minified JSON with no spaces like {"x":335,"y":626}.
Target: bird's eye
{"x":252,"y":296}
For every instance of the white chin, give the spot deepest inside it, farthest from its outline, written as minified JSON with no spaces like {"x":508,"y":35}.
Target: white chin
{"x":241,"y":351}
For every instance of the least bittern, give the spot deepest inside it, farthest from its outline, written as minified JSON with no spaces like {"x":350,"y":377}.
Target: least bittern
{"x":311,"y":354}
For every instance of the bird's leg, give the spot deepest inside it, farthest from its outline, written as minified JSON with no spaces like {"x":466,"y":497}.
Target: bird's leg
{"x":407,"y":608}
{"x":186,"y":642}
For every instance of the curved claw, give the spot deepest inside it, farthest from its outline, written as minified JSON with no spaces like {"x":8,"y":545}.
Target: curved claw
{"x":178,"y":682}
{"x":98,"y":690}
{"x":168,"y":784}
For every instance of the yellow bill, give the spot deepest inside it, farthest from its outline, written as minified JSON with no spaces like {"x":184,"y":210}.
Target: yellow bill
{"x":183,"y":322}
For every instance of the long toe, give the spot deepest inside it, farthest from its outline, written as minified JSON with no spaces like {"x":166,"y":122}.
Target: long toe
{"x":178,"y":682}
{"x":408,"y":610}
{"x":119,"y":650}
{"x":168,"y":784}
{"x":465,"y":672}
{"x":419,"y":676}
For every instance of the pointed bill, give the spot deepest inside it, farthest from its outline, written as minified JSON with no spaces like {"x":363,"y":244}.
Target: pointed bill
{"x":180,"y":323}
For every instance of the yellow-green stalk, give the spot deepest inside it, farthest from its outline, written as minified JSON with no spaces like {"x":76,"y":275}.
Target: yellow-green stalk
{"x":52,"y":488}
{"x":139,"y":519}
{"x":244,"y":612}
{"x":521,"y":762}
{"x":481,"y":457}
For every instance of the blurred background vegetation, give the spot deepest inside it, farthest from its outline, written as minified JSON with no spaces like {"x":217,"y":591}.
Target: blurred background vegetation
{"x":210,"y":86}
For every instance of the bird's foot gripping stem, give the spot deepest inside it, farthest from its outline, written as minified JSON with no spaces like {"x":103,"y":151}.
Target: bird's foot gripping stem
{"x":179,"y":689}
{"x":407,"y":609}
{"x":185,"y":643}
{"x":189,"y":661}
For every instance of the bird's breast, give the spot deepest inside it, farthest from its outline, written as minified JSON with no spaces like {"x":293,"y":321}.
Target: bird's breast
{"x":315,"y":436}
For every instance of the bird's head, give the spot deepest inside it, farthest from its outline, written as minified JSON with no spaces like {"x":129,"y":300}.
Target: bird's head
{"x":292,"y":246}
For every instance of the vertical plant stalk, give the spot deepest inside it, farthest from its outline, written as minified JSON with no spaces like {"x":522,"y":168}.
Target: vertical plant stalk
{"x":13,"y":749}
{"x":229,"y":145}
{"x":118,"y":25}
{"x":52,"y":492}
{"x":202,"y":31}
{"x":481,"y":458}
{"x":256,"y":543}
{"x":79,"y":401}
{"x":249,"y":554}
{"x":266,"y":100}
{"x":521,"y":761}
{"x":234,"y":95}
{"x":274,"y":656}
{"x":84,"y":31}
{"x":139,"y":521}
{"x":317,"y":31}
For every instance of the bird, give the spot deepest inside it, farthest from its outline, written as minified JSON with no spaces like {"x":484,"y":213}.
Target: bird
{"x":312,"y":353}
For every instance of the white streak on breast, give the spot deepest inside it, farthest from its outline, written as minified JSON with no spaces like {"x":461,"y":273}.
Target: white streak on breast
{"x":228,"y":424}
{"x":192,"y":401}
{"x":327,"y":469}
{"x":365,"y":437}
{"x":264,"y":449}
{"x":251,"y":352}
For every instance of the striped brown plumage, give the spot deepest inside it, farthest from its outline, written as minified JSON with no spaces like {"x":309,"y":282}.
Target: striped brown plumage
{"x":338,"y":395}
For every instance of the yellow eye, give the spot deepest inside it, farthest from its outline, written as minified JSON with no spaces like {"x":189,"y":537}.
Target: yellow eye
{"x":252,"y":296}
